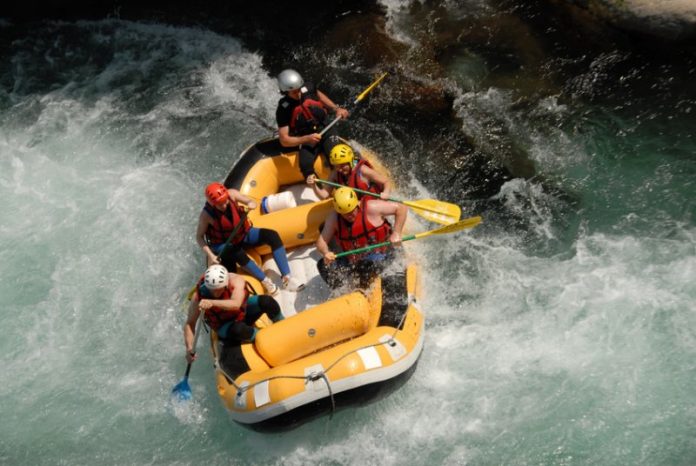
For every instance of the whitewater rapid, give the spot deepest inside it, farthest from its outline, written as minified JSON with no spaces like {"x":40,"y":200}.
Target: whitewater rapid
{"x":559,"y":331}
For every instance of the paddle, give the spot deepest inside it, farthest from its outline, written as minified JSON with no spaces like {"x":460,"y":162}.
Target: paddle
{"x":433,"y":210}
{"x":182,"y":390}
{"x":242,"y":219}
{"x":460,"y":225}
{"x":356,"y":101}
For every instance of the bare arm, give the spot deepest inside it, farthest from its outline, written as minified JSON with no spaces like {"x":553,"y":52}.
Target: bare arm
{"x":242,"y":198}
{"x":238,"y":294}
{"x":326,"y":234}
{"x":399,"y":222}
{"x":189,"y":328}
{"x":204,"y":220}
{"x":322,"y":193}
{"x":375,"y":177}
{"x":377,"y":210}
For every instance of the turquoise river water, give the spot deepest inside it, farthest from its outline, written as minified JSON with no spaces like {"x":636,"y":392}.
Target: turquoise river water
{"x":561,"y":331}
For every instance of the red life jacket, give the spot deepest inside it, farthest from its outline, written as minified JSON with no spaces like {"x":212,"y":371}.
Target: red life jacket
{"x":309,"y":116}
{"x":361,"y":233}
{"x":216,"y":317}
{"x":354,"y":180}
{"x":224,"y":223}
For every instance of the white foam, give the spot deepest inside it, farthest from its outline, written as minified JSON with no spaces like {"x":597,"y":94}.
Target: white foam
{"x":101,"y":176}
{"x":94,"y":198}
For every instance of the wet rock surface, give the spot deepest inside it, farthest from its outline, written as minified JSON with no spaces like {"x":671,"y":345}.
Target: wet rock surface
{"x":668,"y":20}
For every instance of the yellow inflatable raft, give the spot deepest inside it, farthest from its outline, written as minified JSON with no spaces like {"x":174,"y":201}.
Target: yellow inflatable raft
{"x":326,"y":345}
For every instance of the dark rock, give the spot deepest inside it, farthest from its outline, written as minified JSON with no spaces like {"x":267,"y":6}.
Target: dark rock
{"x":669,"y":21}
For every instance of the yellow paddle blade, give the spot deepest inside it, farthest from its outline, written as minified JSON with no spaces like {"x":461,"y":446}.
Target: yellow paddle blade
{"x":460,"y":225}
{"x":436,"y":211}
{"x":370,"y":87}
{"x":189,"y":295}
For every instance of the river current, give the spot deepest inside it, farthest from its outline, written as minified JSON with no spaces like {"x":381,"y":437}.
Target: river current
{"x":560,"y":331}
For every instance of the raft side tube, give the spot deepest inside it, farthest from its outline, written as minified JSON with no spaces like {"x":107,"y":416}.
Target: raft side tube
{"x":300,"y":224}
{"x":268,"y":176}
{"x":307,"y":332}
{"x":284,"y":387}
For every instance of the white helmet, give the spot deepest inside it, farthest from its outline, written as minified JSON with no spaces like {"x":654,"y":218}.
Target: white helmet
{"x":216,"y":277}
{"x":289,"y":80}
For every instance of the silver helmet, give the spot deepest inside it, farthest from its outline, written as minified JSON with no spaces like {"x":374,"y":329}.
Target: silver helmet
{"x":289,"y":80}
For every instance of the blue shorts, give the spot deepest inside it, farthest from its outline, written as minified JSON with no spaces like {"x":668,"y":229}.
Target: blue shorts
{"x":251,"y":239}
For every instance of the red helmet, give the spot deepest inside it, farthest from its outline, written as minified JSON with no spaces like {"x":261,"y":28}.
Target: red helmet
{"x":216,"y":193}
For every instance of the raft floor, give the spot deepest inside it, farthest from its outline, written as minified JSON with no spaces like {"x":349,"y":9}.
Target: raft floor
{"x":303,"y":266}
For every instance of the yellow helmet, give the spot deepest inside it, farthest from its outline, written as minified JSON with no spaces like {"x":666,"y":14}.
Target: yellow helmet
{"x":340,"y":154}
{"x":345,"y":200}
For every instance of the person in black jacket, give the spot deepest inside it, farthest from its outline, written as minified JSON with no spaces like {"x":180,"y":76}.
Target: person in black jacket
{"x":302,"y":113}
